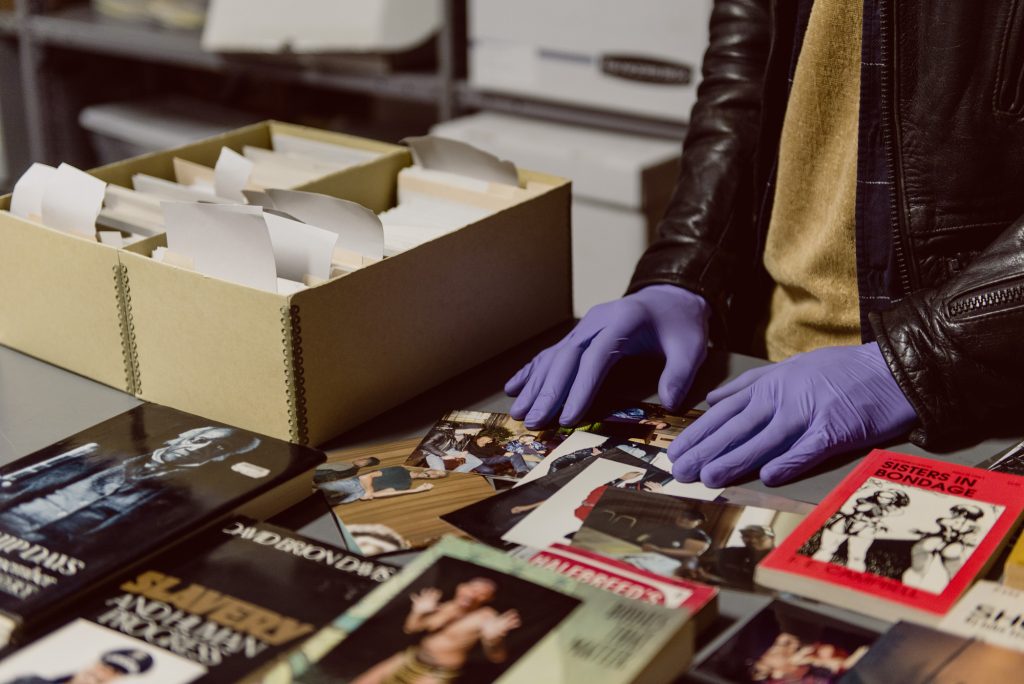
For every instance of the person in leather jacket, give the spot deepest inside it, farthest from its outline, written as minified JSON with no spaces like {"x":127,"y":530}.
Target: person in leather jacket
{"x":851,"y":204}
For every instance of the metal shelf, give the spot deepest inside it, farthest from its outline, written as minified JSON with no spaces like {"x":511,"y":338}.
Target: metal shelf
{"x":470,"y":98}
{"x":80,"y":28}
{"x":8,"y":23}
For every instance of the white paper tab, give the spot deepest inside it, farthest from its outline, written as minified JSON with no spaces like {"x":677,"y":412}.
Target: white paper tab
{"x":111,"y":237}
{"x":359,"y":229}
{"x":229,"y":242}
{"x":231,"y":174}
{"x":174,"y":192}
{"x":27,"y":200}
{"x":72,"y":201}
{"x":300,"y":250}
{"x":455,"y":156}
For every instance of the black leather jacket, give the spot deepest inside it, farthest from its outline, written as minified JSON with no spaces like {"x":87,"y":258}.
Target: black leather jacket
{"x":953,"y":110}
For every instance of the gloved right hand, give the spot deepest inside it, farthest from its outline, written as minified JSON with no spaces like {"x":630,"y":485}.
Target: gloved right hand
{"x":659,"y":319}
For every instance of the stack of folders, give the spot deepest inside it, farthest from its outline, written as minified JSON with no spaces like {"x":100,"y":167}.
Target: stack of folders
{"x":243,"y":222}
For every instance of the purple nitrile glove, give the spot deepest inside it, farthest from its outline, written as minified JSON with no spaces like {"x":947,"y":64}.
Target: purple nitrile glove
{"x":787,"y":417}
{"x":659,"y":319}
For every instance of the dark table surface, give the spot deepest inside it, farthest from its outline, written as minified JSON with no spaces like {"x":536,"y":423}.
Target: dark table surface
{"x":40,"y":404}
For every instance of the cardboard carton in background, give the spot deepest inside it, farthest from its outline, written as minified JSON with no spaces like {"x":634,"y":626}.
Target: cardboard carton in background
{"x":302,"y":367}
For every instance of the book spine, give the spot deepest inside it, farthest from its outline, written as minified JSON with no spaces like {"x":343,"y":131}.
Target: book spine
{"x":129,"y":349}
{"x":291,"y":335}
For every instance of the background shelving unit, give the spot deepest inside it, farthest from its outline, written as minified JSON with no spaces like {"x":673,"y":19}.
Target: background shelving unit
{"x":57,"y":58}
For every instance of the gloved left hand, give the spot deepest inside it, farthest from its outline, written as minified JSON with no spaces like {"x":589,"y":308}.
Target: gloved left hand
{"x":787,"y":417}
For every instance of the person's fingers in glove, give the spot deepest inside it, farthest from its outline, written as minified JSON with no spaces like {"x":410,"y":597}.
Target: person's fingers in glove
{"x":794,"y":415}
{"x":657,"y":320}
{"x":740,"y":382}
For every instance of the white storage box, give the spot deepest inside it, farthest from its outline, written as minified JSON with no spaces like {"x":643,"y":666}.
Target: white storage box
{"x":640,"y":57}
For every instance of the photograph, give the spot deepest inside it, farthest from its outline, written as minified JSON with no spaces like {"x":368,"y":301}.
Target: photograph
{"x":706,"y":541}
{"x":388,"y":508}
{"x":456,"y":622}
{"x":559,"y":516}
{"x":645,"y":423}
{"x":916,"y":536}
{"x":484,"y":443}
{"x":82,"y":651}
{"x":787,"y":644}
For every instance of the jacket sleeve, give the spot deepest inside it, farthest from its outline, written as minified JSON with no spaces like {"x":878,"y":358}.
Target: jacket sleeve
{"x":955,"y":350}
{"x":709,"y":219}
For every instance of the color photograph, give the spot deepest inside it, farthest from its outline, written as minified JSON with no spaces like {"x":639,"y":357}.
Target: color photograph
{"x":786,"y":644}
{"x":457,"y":622}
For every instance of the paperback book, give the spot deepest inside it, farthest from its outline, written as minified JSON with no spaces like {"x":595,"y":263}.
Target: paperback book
{"x":218,"y":607}
{"x":704,"y":541}
{"x":786,"y":643}
{"x":914,"y":654}
{"x":463,"y":612}
{"x":902,"y":537}
{"x":989,"y":612}
{"x":113,"y":495}
{"x":630,"y":582}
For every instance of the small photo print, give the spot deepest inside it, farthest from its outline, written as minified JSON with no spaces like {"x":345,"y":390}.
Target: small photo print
{"x":82,"y":651}
{"x":390,"y":508}
{"x":484,"y":443}
{"x":706,"y":541}
{"x":457,"y":622}
{"x":645,"y":423}
{"x":915,"y":536}
{"x":785,"y":644}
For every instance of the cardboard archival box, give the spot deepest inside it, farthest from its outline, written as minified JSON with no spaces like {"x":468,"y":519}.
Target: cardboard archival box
{"x":60,"y":295}
{"x":305,"y":366}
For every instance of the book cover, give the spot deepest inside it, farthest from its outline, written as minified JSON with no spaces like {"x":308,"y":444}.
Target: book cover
{"x":388,"y":507}
{"x":463,"y":612}
{"x":989,"y":612}
{"x":902,"y":537}
{"x":786,"y":643}
{"x":914,"y":654}
{"x":113,"y":495}
{"x":704,"y":541}
{"x":628,"y":581}
{"x":218,"y":607}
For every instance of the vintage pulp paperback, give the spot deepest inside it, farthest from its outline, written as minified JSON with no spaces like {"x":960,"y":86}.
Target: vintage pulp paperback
{"x":468,"y":613}
{"x":989,"y":612}
{"x":914,"y":654}
{"x":630,"y":582}
{"x":902,"y":537}
{"x":220,"y":606}
{"x":113,"y":495}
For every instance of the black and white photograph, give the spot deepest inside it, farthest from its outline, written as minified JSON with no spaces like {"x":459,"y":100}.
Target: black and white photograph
{"x":706,"y":541}
{"x":913,"y":535}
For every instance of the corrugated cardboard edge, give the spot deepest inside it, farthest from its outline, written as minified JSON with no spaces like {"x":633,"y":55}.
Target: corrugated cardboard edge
{"x":294,"y":374}
{"x":129,"y":350}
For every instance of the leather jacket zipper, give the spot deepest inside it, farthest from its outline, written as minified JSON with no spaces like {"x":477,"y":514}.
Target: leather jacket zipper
{"x":980,"y":301}
{"x":890,"y":135}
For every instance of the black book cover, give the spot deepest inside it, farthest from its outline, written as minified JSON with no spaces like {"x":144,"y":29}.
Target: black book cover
{"x":106,"y":498}
{"x":218,"y":607}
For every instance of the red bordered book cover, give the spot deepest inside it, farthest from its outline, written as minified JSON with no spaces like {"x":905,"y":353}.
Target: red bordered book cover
{"x":901,"y":537}
{"x":625,"y":579}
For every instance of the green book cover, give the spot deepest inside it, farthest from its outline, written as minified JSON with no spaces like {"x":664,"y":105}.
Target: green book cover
{"x":464,"y":612}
